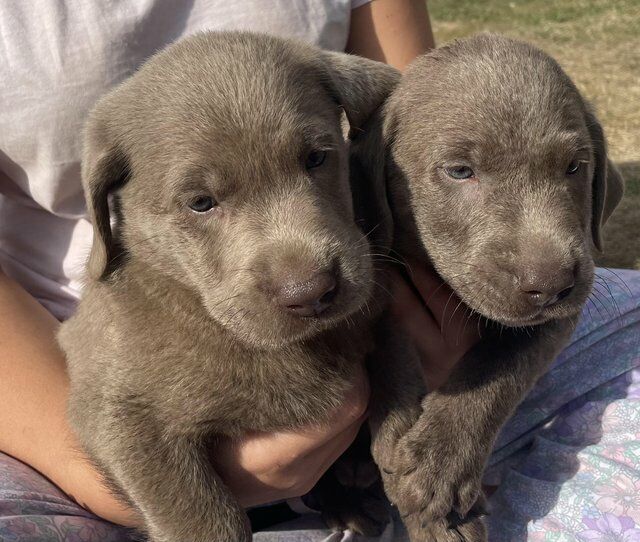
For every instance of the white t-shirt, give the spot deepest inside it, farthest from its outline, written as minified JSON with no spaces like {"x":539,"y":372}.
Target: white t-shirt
{"x":57,"y":57}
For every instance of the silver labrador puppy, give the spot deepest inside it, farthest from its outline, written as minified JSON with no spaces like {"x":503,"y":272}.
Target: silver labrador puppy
{"x":497,"y":175}
{"x":218,"y":302}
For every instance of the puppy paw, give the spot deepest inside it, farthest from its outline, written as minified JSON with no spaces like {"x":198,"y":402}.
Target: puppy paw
{"x":454,"y":529}
{"x":431,"y":485}
{"x":365,"y":511}
{"x":436,"y":474}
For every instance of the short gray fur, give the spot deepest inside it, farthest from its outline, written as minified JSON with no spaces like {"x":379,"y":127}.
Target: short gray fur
{"x":178,"y":341}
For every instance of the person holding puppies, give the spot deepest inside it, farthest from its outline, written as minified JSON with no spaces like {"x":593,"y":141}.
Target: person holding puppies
{"x":259,"y":469}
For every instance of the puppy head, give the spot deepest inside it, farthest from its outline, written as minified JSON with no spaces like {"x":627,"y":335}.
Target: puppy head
{"x":500,"y":172}
{"x":229,"y":171}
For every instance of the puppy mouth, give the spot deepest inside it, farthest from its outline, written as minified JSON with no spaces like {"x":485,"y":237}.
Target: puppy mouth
{"x":505,"y":312}
{"x":500,"y":295}
{"x":523,"y":321}
{"x":296,"y":322}
{"x":513,"y":311}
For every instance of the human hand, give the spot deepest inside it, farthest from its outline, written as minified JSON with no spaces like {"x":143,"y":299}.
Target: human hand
{"x":442,"y":327}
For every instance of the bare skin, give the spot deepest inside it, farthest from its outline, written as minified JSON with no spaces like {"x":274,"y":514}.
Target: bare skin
{"x":262,"y":467}
{"x":439,"y":326}
{"x":391,"y":31}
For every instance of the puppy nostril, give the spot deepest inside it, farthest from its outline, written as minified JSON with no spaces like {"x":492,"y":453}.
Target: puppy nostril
{"x":309,"y":298}
{"x":330,"y":295}
{"x":537,"y":298}
{"x":564,"y":293}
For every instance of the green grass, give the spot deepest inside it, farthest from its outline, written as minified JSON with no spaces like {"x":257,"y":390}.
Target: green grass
{"x":540,"y":16}
{"x":598,"y":44}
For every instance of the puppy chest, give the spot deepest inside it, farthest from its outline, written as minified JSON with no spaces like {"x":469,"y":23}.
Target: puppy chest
{"x":234,"y":393}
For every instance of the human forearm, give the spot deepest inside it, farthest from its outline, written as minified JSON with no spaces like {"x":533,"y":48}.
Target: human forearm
{"x":391,"y":31}
{"x":34,"y":387}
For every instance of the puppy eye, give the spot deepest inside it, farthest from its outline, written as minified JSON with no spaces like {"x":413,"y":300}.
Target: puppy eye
{"x":574,"y":167}
{"x":315,"y":159}
{"x":459,"y":172}
{"x":202,"y":204}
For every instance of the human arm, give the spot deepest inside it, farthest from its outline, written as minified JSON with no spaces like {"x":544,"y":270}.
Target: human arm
{"x":34,"y":387}
{"x":391,"y":31}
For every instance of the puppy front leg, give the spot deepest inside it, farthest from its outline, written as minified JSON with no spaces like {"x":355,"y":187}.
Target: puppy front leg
{"x":397,"y":401}
{"x":397,"y":389}
{"x":441,"y":459}
{"x":349,"y":493}
{"x":172,"y":483}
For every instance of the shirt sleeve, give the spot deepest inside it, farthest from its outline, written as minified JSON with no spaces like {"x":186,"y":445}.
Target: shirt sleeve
{"x":357,"y":3}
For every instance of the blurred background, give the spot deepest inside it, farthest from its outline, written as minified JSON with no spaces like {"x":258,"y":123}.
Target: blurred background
{"x":597,"y":42}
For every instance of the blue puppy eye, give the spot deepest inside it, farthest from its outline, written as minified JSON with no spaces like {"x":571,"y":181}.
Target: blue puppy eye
{"x":315,"y":159}
{"x":202,"y":204}
{"x":574,"y":167}
{"x":459,"y":172}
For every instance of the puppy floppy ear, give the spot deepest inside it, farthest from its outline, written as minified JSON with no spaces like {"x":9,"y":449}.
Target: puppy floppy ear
{"x":607,"y":185}
{"x":359,"y":85}
{"x":104,"y":168}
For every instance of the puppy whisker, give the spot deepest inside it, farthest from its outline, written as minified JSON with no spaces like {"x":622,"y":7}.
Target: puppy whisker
{"x":592,"y":299}
{"x":364,"y":236}
{"x":611,"y":308}
{"x":126,"y":249}
{"x":618,"y":282}
{"x":376,"y":283}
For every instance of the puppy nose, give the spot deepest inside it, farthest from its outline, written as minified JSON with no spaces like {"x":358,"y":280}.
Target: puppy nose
{"x":547,"y":284}
{"x":308,"y":298}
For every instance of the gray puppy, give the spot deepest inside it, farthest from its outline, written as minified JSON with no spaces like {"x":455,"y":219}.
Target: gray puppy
{"x":497,"y":175}
{"x":218,"y":302}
